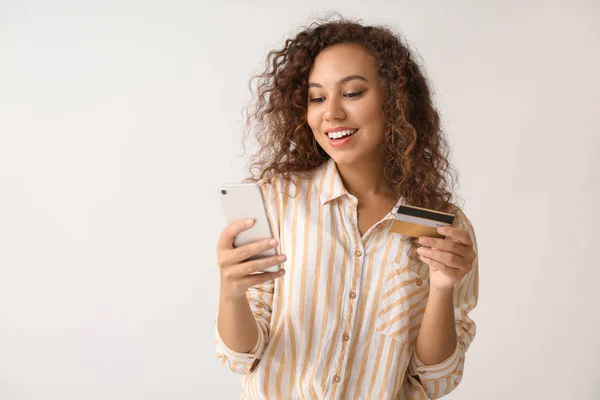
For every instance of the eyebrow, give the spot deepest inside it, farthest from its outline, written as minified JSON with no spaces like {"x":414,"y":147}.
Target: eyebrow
{"x":343,"y":80}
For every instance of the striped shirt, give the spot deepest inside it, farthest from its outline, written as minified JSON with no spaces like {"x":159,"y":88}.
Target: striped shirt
{"x":342,"y":322}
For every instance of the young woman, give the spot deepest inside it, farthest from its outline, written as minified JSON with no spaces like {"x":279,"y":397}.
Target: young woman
{"x":348,"y":133}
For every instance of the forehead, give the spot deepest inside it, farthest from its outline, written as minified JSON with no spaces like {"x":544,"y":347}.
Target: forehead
{"x":341,"y":60}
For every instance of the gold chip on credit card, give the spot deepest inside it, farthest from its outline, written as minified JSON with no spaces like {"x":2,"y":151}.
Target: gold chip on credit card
{"x":417,"y":221}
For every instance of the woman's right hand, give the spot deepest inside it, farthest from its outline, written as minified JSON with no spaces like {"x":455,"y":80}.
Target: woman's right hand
{"x":235,"y":271}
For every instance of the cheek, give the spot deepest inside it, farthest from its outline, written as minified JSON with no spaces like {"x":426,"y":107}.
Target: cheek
{"x":372,"y":112}
{"x":313,"y":118}
{"x":373,"y":116}
{"x":310,"y":115}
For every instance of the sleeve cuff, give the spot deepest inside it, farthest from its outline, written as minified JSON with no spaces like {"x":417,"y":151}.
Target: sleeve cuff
{"x":437,"y":371}
{"x":237,"y":356}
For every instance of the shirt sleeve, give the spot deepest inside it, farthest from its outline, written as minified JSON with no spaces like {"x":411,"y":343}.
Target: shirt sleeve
{"x":440,"y":379}
{"x":260,"y":299}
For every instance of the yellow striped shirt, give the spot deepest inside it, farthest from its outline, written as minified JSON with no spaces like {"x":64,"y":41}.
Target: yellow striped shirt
{"x":343,"y":321}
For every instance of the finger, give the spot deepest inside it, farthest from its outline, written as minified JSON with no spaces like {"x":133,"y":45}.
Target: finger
{"x":250,"y":267}
{"x":433,"y":264}
{"x":437,"y":266}
{"x":448,"y":259}
{"x":246,"y":251}
{"x":457,"y":234}
{"x":253,"y":280}
{"x":447,"y":245}
{"x":231,"y":231}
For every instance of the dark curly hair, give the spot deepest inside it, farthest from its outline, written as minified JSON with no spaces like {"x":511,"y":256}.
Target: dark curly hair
{"x":416,"y":163}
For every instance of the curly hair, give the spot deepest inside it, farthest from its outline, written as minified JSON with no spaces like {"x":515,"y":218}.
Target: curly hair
{"x":416,"y":151}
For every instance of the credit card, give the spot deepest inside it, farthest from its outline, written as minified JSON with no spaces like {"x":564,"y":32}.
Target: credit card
{"x":418,"y":221}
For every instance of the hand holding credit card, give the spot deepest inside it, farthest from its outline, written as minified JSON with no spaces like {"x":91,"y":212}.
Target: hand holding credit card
{"x":417,"y":221}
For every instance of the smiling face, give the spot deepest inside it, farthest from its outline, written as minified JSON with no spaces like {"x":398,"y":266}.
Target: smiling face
{"x":345,"y":104}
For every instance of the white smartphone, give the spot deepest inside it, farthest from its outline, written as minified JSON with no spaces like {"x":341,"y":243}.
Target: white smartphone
{"x":245,"y":201}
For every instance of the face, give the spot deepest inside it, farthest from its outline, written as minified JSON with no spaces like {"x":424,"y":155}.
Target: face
{"x":345,"y":104}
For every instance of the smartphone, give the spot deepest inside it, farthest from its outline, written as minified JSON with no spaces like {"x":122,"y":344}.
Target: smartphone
{"x":246,"y":201}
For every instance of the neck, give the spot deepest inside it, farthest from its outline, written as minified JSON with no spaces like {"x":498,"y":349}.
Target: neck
{"x":365,"y":179}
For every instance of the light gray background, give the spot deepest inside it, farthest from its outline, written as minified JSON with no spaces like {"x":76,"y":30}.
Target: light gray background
{"x":119,"y":120}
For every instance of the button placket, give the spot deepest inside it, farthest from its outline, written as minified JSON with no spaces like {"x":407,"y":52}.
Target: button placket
{"x":350,"y":309}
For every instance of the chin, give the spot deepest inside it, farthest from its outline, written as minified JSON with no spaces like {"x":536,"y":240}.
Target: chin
{"x":345,"y":158}
{"x":353,"y":157}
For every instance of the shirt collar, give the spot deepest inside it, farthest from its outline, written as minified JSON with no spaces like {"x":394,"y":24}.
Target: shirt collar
{"x":334,"y":188}
{"x":332,"y":185}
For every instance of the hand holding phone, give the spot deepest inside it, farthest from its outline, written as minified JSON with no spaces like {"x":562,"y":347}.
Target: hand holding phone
{"x":238,"y":274}
{"x":246,"y":252}
{"x":245,"y":201}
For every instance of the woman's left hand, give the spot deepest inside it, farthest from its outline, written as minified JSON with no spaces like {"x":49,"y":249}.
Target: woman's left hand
{"x":449,"y":259}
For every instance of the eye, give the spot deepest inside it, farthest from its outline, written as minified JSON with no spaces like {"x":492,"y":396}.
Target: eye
{"x":355,"y":94}
{"x":347,"y":95}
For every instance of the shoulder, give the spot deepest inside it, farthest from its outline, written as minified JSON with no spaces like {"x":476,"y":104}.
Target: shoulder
{"x":273,"y":186}
{"x":291,"y":185}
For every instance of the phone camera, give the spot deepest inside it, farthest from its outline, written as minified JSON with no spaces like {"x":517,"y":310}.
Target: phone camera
{"x":223,"y":191}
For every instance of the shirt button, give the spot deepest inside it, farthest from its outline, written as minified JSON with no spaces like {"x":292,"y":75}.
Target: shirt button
{"x":345,"y":337}
{"x":337,"y":379}
{"x":352,"y":295}
{"x":358,"y":253}
{"x":419,"y":282}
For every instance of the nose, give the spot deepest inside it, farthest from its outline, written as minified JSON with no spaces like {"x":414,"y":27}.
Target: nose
{"x":334,"y":109}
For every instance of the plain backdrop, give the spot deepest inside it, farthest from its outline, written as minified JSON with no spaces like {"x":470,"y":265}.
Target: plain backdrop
{"x":120,"y":119}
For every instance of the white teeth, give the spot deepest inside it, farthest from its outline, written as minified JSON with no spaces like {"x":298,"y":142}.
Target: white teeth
{"x":337,"y":135}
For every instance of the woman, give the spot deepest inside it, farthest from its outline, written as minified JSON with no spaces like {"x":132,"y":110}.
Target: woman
{"x":347,"y":133}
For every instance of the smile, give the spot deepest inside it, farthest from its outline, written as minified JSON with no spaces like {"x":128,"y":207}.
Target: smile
{"x":341,"y":134}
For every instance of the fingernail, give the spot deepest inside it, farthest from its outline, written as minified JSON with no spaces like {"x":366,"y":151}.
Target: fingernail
{"x":249,"y":222}
{"x":282,"y":258}
{"x":273,"y":242}
{"x":281,"y":272}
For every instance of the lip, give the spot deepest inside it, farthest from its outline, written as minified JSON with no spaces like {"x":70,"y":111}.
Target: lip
{"x":341,"y":142}
{"x":340,"y":128}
